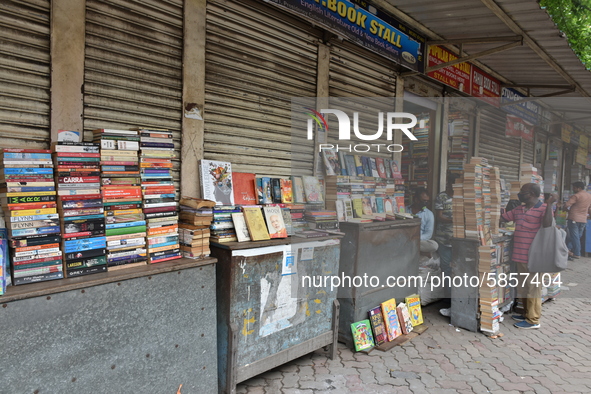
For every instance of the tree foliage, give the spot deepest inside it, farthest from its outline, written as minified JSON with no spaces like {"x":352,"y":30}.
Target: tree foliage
{"x":573,"y":18}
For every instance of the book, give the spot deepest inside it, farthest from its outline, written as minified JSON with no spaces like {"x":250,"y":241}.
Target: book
{"x":331,"y":162}
{"x":297,"y":185}
{"x":404,"y":318}
{"x":256,"y":224}
{"x":377,"y":324}
{"x":244,"y":191}
{"x":286,"y":191}
{"x":312,"y":189}
{"x":240,"y":227}
{"x":413,"y":303}
{"x":216,"y":182}
{"x":275,"y":223}
{"x":362,"y":336}
{"x":381,"y":167}
{"x":276,"y":190}
{"x":391,"y":319}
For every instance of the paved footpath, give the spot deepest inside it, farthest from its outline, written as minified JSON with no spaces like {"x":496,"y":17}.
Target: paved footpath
{"x":554,"y":359}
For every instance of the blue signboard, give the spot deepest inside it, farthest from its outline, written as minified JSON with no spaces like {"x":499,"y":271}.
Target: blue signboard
{"x":364,"y":25}
{"x":527,"y":110}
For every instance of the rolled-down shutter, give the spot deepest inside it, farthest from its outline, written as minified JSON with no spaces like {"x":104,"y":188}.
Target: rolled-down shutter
{"x":528,"y":152}
{"x":370,"y":83}
{"x":24,"y":74}
{"x":133,"y":66}
{"x":500,"y":151}
{"x":257,"y":59}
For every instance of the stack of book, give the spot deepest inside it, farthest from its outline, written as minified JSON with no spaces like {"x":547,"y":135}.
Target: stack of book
{"x":28,"y":197}
{"x":222,"y":226}
{"x":81,"y":207}
{"x":298,"y":222}
{"x":486,"y":198}
{"x":122,"y":198}
{"x":489,"y":297}
{"x":550,"y":176}
{"x":160,"y":206}
{"x":459,"y":129}
{"x":322,"y":220}
{"x":459,"y":224}
{"x":473,"y":214}
{"x":495,"y":199}
{"x":195,"y":218}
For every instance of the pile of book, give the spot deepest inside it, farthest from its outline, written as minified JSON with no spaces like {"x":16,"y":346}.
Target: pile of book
{"x":298,"y":222}
{"x":486,"y":198}
{"x":4,"y":262}
{"x":195,"y":217}
{"x":459,"y":129}
{"x":472,"y":198}
{"x":28,"y":197}
{"x":122,"y":197}
{"x":222,"y":227}
{"x":160,"y":206}
{"x":495,"y":199}
{"x":81,"y":207}
{"x":459,"y":224}
{"x":489,"y":295}
{"x":322,"y":220}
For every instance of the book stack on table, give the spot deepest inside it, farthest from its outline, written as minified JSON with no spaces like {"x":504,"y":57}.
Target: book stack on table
{"x":160,"y":205}
{"x":28,"y":198}
{"x":81,"y":207}
{"x":122,"y":198}
{"x":195,"y":218}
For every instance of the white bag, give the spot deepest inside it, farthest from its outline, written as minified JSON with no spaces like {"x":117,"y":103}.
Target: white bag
{"x":548,"y":252}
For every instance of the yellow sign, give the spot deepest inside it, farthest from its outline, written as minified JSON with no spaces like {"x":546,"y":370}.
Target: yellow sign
{"x":566,"y":132}
{"x":583,"y":141}
{"x":581,"y":156}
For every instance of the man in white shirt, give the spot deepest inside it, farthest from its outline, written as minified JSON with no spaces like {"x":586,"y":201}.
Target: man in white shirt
{"x":419,"y":208}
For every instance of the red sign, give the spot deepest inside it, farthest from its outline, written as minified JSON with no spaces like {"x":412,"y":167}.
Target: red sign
{"x":486,"y":87}
{"x":517,"y":127}
{"x":458,"y":76}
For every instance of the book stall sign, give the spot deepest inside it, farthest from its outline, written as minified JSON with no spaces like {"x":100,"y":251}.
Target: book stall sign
{"x":458,"y":76}
{"x":485,"y":87}
{"x":583,"y":142}
{"x":575,"y":137}
{"x":566,"y":132}
{"x":581,"y":157}
{"x":517,"y":127}
{"x":588,"y":164}
{"x":364,"y":25}
{"x":526,"y":110}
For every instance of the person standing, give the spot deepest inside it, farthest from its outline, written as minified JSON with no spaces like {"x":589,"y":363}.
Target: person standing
{"x":578,"y":205}
{"x":419,"y":208}
{"x":528,"y":218}
{"x":444,"y":230}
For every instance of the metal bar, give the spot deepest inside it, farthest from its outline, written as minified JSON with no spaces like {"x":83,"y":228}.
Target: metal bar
{"x":476,"y":40}
{"x":474,"y":56}
{"x":560,"y":93}
{"x":534,"y":86}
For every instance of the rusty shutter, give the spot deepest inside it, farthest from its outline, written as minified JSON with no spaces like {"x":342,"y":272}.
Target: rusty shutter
{"x":528,"y":153}
{"x":24,"y":74}
{"x":133,"y":66}
{"x":257,"y":59}
{"x":500,"y":151}
{"x":356,"y":72}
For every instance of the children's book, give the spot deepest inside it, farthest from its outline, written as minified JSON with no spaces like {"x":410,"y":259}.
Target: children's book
{"x":413,"y":303}
{"x":391,"y":319}
{"x":240,"y":227}
{"x":362,"y":335}
{"x":275,"y":224}
{"x":216,"y":182}
{"x":255,"y":223}
{"x":404,"y":318}
{"x":377,"y":324}
{"x":244,"y":192}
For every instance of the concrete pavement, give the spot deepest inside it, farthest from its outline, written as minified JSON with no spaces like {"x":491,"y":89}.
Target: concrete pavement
{"x":554,"y":359}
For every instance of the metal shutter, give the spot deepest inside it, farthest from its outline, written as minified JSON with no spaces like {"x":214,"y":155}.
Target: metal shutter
{"x":133,"y":66}
{"x":528,"y":153}
{"x":257,"y":59}
{"x":24,"y":74}
{"x":357,"y":72}
{"x":500,"y":151}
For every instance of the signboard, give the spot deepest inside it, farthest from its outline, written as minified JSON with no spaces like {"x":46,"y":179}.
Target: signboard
{"x":583,"y":141}
{"x":364,"y":25}
{"x":566,"y":132}
{"x":588,"y":164}
{"x":582,"y":156}
{"x":458,"y":77}
{"x":485,"y":86}
{"x":517,"y":127}
{"x":528,"y":110}
{"x":575,"y":136}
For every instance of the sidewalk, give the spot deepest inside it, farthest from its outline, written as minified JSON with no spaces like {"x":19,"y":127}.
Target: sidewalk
{"x":554,"y":359}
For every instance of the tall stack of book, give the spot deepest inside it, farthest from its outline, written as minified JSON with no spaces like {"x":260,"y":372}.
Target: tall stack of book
{"x":81,"y":207}
{"x":322,"y":220}
{"x":195,"y":218}
{"x":459,"y":129}
{"x":28,"y":197}
{"x":505,"y":192}
{"x":495,"y":199}
{"x":473,"y":216}
{"x":222,"y":227}
{"x":122,"y":198}
{"x":550,"y":176}
{"x":489,"y":297}
{"x":160,"y":206}
{"x":458,"y":209}
{"x":298,"y":222}
{"x":486,"y":198}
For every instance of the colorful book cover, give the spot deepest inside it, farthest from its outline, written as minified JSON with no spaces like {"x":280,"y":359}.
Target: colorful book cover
{"x":275,"y":223}
{"x":391,"y":319}
{"x":388,"y":205}
{"x":413,"y":302}
{"x":395,"y":170}
{"x":331,"y":162}
{"x":244,"y":192}
{"x":380,"y":205}
{"x":312,"y":189}
{"x":340,"y":207}
{"x":297,"y":186}
{"x":255,"y":223}
{"x":362,"y":335}
{"x":381,"y":167}
{"x":357,"y":207}
{"x":216,"y":182}
{"x":374,"y":167}
{"x":388,"y":167}
{"x":366,"y":166}
{"x":348,"y":209}
{"x":286,"y":212}
{"x":267,"y":190}
{"x":260,"y":194}
{"x":404,"y":318}
{"x":286,"y":191}
{"x":343,"y":164}
{"x":240,"y":227}
{"x":350,"y":165}
{"x":377,"y":324}
{"x":276,"y":190}
{"x":358,"y":165}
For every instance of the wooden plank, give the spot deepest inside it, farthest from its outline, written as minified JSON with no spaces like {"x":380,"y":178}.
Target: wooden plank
{"x":14,"y":293}
{"x":420,"y":329}
{"x":272,"y":242}
{"x":397,"y":341}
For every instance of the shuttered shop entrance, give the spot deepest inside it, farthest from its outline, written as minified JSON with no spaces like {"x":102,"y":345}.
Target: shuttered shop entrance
{"x":357,"y":72}
{"x":133,"y":66}
{"x":528,"y":153}
{"x":500,"y":151}
{"x":24,"y":74}
{"x":257,"y":59}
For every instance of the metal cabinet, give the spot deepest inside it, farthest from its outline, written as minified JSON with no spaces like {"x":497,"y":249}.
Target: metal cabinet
{"x":268,"y":311}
